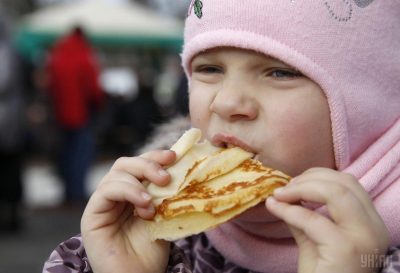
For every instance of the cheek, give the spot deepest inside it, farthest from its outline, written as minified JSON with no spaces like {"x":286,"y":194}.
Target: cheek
{"x":198,"y":108}
{"x":309,"y":118}
{"x":195,"y":113}
{"x":303,"y":138}
{"x":296,"y":125}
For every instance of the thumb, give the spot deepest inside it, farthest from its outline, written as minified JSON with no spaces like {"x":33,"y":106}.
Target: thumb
{"x":308,"y":253}
{"x":299,"y":236}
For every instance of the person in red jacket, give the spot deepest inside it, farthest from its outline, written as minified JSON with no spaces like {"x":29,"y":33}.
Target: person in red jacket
{"x":76,"y":95}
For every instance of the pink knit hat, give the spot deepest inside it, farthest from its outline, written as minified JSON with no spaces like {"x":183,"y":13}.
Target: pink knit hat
{"x":351,"y":48}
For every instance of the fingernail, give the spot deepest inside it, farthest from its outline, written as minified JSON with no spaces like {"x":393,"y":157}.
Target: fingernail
{"x":163,"y":172}
{"x":278,"y":190}
{"x":168,"y":151}
{"x":271,"y":200}
{"x":146,"y":196}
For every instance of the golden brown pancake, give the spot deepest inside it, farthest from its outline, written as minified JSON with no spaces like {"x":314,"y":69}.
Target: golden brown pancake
{"x":210,"y":185}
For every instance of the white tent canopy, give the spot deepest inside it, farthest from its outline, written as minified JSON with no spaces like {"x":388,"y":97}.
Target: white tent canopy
{"x":101,"y":17}
{"x":105,"y":22}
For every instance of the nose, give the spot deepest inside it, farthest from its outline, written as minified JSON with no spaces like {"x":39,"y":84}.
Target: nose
{"x":234,"y":102}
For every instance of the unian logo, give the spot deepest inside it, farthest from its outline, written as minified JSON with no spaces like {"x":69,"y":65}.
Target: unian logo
{"x":342,"y":10}
{"x":376,"y":260}
{"x":197,"y":6}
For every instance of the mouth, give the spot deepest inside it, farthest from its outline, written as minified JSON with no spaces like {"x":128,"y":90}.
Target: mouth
{"x":230,"y":141}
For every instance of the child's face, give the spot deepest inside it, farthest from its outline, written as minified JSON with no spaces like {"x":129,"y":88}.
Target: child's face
{"x":239,"y":97}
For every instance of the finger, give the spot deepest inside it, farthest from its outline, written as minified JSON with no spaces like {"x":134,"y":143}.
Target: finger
{"x":314,"y":226}
{"x":108,"y":203}
{"x":142,"y":168}
{"x":163,"y":157}
{"x":107,"y":195}
{"x":348,"y":181}
{"x":343,"y":206}
{"x":114,"y":175}
{"x":299,"y":236}
{"x":308,"y":250}
{"x":146,"y":213}
{"x":345,"y":179}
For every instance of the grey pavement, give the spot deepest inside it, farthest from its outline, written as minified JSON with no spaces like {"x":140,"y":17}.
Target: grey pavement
{"x":45,"y":220}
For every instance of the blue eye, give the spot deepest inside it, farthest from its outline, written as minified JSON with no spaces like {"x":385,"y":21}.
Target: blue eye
{"x":285,"y":74}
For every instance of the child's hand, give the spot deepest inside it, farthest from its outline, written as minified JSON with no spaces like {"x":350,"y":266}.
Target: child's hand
{"x":334,"y":244}
{"x":115,"y":240}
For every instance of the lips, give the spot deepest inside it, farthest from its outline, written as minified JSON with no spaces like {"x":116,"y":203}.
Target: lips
{"x":226,"y":140}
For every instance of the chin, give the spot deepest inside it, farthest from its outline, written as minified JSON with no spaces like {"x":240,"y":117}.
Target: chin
{"x":258,"y":213}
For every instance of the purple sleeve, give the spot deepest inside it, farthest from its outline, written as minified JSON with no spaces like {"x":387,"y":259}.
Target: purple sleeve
{"x":68,"y":257}
{"x":392,"y":262}
{"x":203,"y":257}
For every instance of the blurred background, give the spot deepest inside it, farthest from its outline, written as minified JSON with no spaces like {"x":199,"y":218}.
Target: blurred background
{"x":82,"y":82}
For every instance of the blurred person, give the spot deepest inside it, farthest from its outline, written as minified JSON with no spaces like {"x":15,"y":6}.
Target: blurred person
{"x":73,"y":85}
{"x":145,"y":112}
{"x":134,"y":118}
{"x":11,"y":131}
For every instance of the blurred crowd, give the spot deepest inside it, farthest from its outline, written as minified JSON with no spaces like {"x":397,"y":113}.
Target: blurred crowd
{"x":78,"y":104}
{"x":12,"y":127}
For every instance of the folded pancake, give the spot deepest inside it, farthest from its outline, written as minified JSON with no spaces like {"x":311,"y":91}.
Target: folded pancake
{"x":210,"y":185}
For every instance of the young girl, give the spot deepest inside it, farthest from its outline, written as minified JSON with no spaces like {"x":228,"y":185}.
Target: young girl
{"x":311,"y":87}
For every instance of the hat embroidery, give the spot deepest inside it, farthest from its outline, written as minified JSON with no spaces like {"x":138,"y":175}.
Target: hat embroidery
{"x":348,"y":7}
{"x":363,"y":3}
{"x":197,"y":5}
